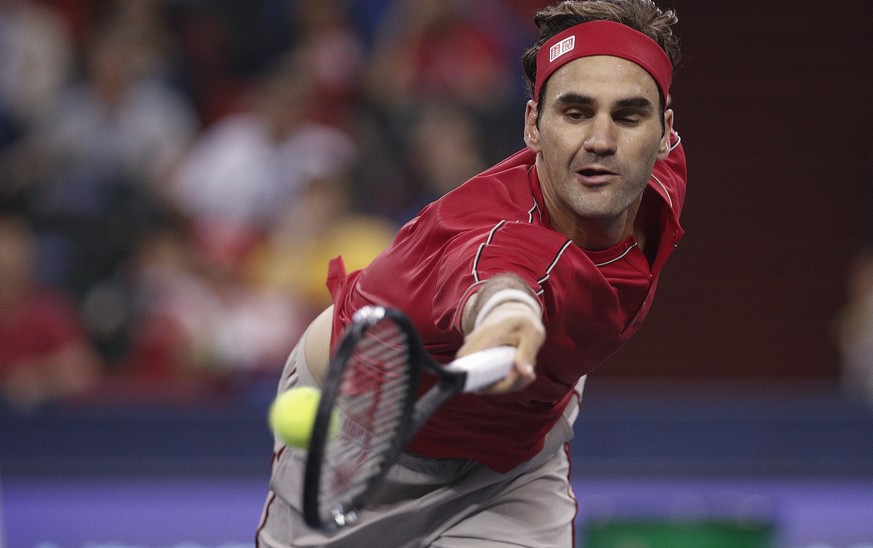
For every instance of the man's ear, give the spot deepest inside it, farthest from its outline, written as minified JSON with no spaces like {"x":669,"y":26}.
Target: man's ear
{"x":531,"y":131}
{"x":664,"y":146}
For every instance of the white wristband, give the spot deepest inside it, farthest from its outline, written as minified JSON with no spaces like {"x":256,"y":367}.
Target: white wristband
{"x":504,"y":296}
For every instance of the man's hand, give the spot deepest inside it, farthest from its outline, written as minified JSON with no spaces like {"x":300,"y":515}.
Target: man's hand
{"x":505,"y":312}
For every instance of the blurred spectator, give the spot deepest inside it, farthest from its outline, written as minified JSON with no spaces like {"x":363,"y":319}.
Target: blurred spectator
{"x":854,"y":322}
{"x":202,"y":322}
{"x":208,"y":74}
{"x":36,"y":59}
{"x":335,"y":55}
{"x":122,"y":124}
{"x":322,"y":224}
{"x":80,"y":15}
{"x":445,"y":150}
{"x":45,"y":355}
{"x":98,"y":161}
{"x":146,"y":23}
{"x":434,"y":49}
{"x":244,"y":171}
{"x":439,"y":52}
{"x":854,"y":330}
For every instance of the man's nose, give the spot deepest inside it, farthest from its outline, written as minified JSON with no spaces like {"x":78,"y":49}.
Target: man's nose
{"x":600,"y":139}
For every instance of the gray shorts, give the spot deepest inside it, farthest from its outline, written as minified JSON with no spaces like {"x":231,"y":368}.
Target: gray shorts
{"x":434,"y":502}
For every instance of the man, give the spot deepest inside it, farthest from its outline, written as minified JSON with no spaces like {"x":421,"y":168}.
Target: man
{"x":557,"y":251}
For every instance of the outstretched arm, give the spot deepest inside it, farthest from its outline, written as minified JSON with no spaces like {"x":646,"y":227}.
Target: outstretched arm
{"x":505,"y":312}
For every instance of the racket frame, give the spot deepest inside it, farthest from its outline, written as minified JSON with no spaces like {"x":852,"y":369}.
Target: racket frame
{"x":460,"y":376}
{"x":364,"y":320}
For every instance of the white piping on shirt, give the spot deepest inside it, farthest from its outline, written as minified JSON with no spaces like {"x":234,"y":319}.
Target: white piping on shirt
{"x":482,"y":247}
{"x":626,"y":251}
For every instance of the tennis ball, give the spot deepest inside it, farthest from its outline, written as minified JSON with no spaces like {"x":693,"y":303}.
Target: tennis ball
{"x":292,"y":416}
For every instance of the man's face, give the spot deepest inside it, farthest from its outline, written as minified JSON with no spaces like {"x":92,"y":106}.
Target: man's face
{"x":597,"y":137}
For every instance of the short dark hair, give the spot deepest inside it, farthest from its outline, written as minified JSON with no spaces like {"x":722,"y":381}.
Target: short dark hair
{"x":641,"y":15}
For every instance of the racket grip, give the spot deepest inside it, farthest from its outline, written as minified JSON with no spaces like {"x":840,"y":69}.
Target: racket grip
{"x":484,"y":367}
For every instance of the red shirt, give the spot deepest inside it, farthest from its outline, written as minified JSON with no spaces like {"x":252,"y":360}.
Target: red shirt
{"x":43,"y":322}
{"x":592,"y":301}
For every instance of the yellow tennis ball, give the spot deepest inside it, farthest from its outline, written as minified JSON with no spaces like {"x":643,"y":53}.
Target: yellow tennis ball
{"x":292,"y":416}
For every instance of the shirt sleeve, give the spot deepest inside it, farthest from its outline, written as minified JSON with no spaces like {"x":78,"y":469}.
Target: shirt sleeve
{"x":525,"y":250}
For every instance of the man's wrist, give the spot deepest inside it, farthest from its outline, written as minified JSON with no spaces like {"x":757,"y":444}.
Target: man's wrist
{"x":519,"y":297}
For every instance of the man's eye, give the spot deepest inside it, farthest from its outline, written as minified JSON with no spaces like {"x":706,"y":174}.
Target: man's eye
{"x":628,"y":117}
{"x":628,"y":120}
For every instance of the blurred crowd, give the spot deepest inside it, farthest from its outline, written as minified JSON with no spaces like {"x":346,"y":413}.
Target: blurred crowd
{"x":852,"y":328}
{"x":175,"y":174}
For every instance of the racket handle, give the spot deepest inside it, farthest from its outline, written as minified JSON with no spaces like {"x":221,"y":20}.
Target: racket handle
{"x":484,"y":367}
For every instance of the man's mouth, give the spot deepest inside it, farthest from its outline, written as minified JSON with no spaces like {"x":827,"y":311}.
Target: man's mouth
{"x":596,"y":176}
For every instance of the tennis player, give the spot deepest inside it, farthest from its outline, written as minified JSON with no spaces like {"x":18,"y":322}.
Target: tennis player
{"x":556,"y":250}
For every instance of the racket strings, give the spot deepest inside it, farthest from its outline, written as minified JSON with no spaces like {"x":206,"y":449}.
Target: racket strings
{"x":373,"y":392}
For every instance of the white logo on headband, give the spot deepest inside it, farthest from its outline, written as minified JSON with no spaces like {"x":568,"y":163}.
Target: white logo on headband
{"x":562,"y":47}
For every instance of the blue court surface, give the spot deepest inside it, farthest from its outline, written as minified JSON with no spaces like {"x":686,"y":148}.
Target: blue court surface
{"x":790,"y":466}
{"x":189,"y":512}
{"x":157,"y":511}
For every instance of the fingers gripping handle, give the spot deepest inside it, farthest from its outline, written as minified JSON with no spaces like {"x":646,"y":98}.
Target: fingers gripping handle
{"x":485,"y":367}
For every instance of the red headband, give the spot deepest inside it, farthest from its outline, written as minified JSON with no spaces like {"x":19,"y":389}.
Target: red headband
{"x":603,"y":38}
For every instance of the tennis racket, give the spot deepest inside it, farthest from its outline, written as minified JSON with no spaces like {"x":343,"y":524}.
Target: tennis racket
{"x":371,"y":389}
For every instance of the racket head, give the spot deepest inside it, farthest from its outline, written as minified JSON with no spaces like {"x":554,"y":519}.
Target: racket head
{"x":370,"y":388}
